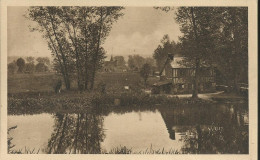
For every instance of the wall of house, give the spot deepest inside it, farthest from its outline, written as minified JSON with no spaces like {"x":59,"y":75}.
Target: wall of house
{"x":182,"y":80}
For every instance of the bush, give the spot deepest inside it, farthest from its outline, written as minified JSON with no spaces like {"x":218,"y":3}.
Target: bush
{"x":12,"y":68}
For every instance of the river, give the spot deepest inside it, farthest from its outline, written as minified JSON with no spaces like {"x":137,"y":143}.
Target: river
{"x":219,"y":128}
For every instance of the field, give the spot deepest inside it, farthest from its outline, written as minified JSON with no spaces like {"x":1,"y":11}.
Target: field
{"x":20,"y":83}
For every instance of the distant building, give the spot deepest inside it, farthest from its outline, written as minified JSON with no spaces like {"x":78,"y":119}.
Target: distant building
{"x":110,"y":66}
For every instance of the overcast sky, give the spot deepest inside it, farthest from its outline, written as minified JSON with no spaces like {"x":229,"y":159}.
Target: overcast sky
{"x":139,"y":31}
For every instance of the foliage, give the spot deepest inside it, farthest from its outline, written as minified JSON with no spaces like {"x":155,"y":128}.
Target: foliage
{"x":21,"y":64}
{"x":145,"y":72}
{"x":135,"y":62}
{"x":30,"y":59}
{"x":41,"y":67}
{"x":161,"y":53}
{"x":120,"y":61}
{"x":75,"y":36}
{"x":29,"y":68}
{"x":231,"y":53}
{"x":217,"y":37}
{"x":44,"y":60}
{"x":12,"y":67}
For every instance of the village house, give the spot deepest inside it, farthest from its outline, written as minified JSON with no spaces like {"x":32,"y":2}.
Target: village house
{"x":178,"y":79}
{"x":182,"y":77}
{"x":110,"y":66}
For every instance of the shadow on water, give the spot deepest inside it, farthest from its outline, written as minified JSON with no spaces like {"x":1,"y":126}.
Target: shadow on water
{"x":211,"y":129}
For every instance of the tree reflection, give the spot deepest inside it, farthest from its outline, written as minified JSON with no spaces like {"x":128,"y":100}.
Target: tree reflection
{"x":76,"y":133}
{"x":215,"y":129}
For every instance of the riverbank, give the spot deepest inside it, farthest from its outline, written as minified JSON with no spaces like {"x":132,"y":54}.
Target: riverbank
{"x":75,"y":102}
{"x":34,"y":94}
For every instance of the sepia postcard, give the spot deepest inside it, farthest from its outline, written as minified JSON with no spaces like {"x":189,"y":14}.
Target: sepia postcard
{"x":129,"y":79}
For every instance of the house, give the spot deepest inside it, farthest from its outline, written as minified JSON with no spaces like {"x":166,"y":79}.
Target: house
{"x":182,"y":77}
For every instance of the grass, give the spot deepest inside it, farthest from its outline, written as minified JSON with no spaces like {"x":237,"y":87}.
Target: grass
{"x":150,"y":150}
{"x":40,"y":82}
{"x":45,"y":82}
{"x":34,"y":94}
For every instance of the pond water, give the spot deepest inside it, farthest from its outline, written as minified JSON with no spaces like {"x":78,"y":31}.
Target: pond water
{"x":220,"y":128}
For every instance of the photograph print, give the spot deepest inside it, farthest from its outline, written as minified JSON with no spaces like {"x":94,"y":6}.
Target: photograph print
{"x":127,"y":80}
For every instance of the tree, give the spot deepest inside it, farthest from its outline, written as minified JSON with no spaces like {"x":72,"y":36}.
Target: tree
{"x":215,"y":37}
{"x":41,"y":67}
{"x":145,"y":72}
{"x":75,"y":36}
{"x":44,"y":60}
{"x":150,"y":61}
{"x":12,"y":67}
{"x":120,"y":61}
{"x":30,"y":60}
{"x":161,"y":53}
{"x":29,"y":68}
{"x":200,"y":26}
{"x":135,"y":62}
{"x":21,"y":64}
{"x":49,"y":25}
{"x":231,"y":54}
{"x":101,"y":29}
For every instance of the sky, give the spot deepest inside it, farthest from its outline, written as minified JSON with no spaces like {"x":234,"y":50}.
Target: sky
{"x":139,"y":31}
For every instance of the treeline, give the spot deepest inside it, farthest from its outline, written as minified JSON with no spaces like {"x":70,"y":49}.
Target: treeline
{"x":28,"y":65}
{"x":75,"y":36}
{"x":136,"y":62}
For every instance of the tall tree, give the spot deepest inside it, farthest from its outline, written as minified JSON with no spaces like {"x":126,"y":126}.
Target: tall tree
{"x":75,"y":36}
{"x":161,"y":53}
{"x":215,"y":36}
{"x":231,"y":54}
{"x":199,"y":26}
{"x":106,"y":16}
{"x":49,"y":24}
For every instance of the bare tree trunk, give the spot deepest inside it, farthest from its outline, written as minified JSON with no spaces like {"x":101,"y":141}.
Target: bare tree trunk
{"x":67,"y":80}
{"x":196,"y":87}
{"x":197,"y":63}
{"x":86,"y":61}
{"x":86,"y":76}
{"x":57,"y":55}
{"x":97,"y":50}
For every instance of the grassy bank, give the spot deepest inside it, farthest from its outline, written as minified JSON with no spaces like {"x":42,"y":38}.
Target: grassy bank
{"x":33,"y":93}
{"x":76,"y":102}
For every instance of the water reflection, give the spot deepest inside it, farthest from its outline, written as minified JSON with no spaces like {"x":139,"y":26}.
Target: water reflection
{"x":219,"y":128}
{"x":209,"y":129}
{"x":79,"y":133}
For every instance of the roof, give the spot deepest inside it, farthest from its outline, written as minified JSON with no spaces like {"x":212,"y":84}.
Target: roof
{"x":160,"y":83}
{"x":176,"y":63}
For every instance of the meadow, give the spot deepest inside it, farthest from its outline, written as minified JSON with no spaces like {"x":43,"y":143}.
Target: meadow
{"x":45,"y":82}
